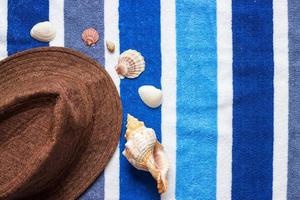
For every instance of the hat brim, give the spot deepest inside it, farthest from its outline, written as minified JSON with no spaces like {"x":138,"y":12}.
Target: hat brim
{"x":105,"y":133}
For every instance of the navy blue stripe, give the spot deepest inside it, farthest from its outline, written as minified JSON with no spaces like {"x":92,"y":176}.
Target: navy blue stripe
{"x":253,"y":70}
{"x":139,"y":23}
{"x":22,"y":16}
{"x":79,"y":15}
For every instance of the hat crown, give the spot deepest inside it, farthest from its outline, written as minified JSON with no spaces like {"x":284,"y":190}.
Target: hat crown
{"x":60,"y":122}
{"x":49,"y":123}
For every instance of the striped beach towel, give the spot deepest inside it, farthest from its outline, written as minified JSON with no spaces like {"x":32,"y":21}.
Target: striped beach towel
{"x":230,"y":75}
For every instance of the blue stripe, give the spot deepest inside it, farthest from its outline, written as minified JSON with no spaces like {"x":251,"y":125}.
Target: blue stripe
{"x":96,"y":190}
{"x":82,"y":14}
{"x":79,"y":15}
{"x":253,"y":71}
{"x":22,"y":16}
{"x":293,"y":185}
{"x":196,"y":99}
{"x":139,"y":24}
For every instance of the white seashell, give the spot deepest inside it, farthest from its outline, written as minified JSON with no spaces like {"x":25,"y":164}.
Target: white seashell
{"x":43,"y":31}
{"x":130,"y":64}
{"x":144,"y":152}
{"x":150,"y":95}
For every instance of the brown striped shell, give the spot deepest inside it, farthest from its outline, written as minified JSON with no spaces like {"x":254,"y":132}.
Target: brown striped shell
{"x":90,"y":36}
{"x":131,"y":64}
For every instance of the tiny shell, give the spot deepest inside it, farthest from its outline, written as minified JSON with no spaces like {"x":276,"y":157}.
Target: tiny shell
{"x":150,"y":95}
{"x":43,"y":31}
{"x":90,"y":36}
{"x":130,"y":64}
{"x":110,"y":46}
{"x":144,"y":152}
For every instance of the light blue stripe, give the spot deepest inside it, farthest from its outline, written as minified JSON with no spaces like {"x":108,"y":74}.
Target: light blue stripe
{"x":196,"y":99}
{"x":79,"y":15}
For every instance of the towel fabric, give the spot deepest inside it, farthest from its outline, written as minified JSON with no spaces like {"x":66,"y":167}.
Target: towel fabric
{"x":230,"y":75}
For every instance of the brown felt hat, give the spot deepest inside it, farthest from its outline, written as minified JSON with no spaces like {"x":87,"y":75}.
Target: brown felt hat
{"x":60,"y":120}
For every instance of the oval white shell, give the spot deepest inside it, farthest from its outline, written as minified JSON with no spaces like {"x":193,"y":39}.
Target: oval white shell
{"x":130,"y":64}
{"x":150,"y":95}
{"x":43,"y":31}
{"x":144,"y":152}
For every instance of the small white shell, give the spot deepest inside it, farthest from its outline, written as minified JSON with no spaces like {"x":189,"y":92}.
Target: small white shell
{"x":130,"y":64}
{"x":43,"y":31}
{"x":150,"y":95}
{"x":110,"y":46}
{"x":144,"y":152}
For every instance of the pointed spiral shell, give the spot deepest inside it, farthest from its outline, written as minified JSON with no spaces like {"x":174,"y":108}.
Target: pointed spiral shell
{"x":144,"y":152}
{"x":139,"y":149}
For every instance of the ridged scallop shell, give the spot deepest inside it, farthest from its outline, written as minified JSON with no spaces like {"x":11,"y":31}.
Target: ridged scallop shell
{"x":150,"y":95}
{"x":144,"y":152}
{"x":131,"y":64}
{"x":90,"y":36}
{"x":43,"y":31}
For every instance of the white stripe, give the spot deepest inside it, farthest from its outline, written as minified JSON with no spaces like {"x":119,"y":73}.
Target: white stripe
{"x":56,"y":17}
{"x":111,"y":32}
{"x":168,"y":82}
{"x":225,"y":95}
{"x":280,"y":147}
{"x":3,"y":29}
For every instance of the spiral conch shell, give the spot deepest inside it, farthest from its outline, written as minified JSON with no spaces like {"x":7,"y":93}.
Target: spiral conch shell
{"x":131,"y":64}
{"x":144,"y":152}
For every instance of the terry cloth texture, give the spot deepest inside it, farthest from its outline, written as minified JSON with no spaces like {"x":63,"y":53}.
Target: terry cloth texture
{"x":60,"y":119}
{"x":230,"y":75}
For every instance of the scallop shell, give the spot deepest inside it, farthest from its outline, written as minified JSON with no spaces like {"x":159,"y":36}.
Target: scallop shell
{"x":150,"y":95}
{"x":131,"y":64}
{"x":90,"y":36}
{"x":43,"y":31}
{"x":144,"y":152}
{"x":110,"y":46}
